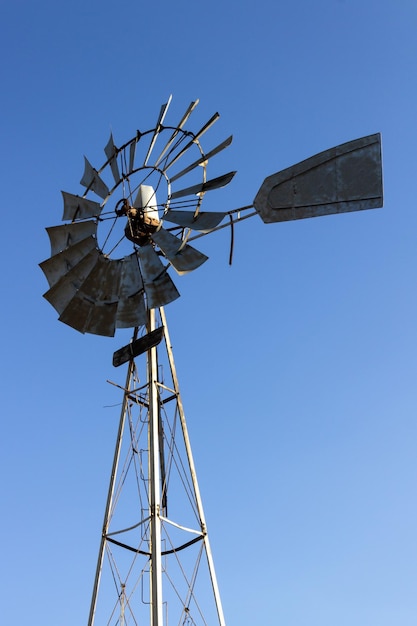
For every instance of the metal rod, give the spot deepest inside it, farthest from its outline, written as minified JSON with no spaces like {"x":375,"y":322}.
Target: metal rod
{"x":226,"y":224}
{"x":191,"y":465}
{"x":155,"y":483}
{"x":110,"y":493}
{"x":122,"y":606}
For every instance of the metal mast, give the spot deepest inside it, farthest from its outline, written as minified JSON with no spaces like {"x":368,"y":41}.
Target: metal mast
{"x":154,"y":482}
{"x":158,"y":562}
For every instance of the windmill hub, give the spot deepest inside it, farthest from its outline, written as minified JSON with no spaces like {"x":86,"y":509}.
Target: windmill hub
{"x":142,"y":217}
{"x":138,"y":230}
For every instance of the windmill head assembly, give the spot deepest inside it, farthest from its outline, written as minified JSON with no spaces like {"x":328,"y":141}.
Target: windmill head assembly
{"x":111,"y":267}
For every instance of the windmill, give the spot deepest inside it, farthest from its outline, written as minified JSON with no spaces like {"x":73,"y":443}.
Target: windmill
{"x":110,"y":268}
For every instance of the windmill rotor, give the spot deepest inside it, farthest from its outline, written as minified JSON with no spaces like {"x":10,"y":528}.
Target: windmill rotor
{"x":109,"y":263}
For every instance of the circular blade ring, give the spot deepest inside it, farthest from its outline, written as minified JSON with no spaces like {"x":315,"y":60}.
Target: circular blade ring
{"x":158,"y":174}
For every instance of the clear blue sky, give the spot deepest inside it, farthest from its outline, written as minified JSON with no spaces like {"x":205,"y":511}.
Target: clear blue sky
{"x":297,"y":365}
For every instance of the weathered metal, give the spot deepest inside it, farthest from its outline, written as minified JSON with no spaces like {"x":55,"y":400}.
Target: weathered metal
{"x":138,"y":346}
{"x":92,"y":180}
{"x":77,"y":208}
{"x":131,"y":310}
{"x":155,"y":484}
{"x":111,"y":153}
{"x":93,"y":309}
{"x":62,"y":262}
{"x":158,"y":128}
{"x":193,"y":140}
{"x":62,"y":292}
{"x":215,"y":183}
{"x":158,"y":285}
{"x":199,"y":501}
{"x":61,"y":237}
{"x":341,"y":179}
{"x":203,"y":221}
{"x":203,"y":158}
{"x":183,"y":258}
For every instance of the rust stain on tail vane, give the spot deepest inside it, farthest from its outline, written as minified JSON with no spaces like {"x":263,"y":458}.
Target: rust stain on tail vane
{"x":341,"y":179}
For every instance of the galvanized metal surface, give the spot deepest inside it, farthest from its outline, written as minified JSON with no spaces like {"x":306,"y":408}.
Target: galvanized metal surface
{"x":88,"y":289}
{"x":110,"y":493}
{"x":92,"y":180}
{"x":195,"y":138}
{"x":66,"y":288}
{"x":111,"y":153}
{"x":215,"y":183}
{"x":199,"y":501}
{"x":103,"y":283}
{"x":203,"y":221}
{"x":176,"y":131}
{"x":90,"y":317}
{"x":77,"y":208}
{"x":203,"y":158}
{"x":158,"y":285}
{"x":94,"y":308}
{"x":161,"y":117}
{"x":57,"y":266}
{"x":61,"y":237}
{"x":183,"y":257}
{"x":102,"y":299}
{"x":155,"y":483}
{"x":341,"y":179}
{"x":131,"y":310}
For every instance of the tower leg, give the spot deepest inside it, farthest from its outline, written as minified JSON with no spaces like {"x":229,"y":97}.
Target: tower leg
{"x":110,"y":493}
{"x":155,"y":563}
{"x":193,"y":472}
